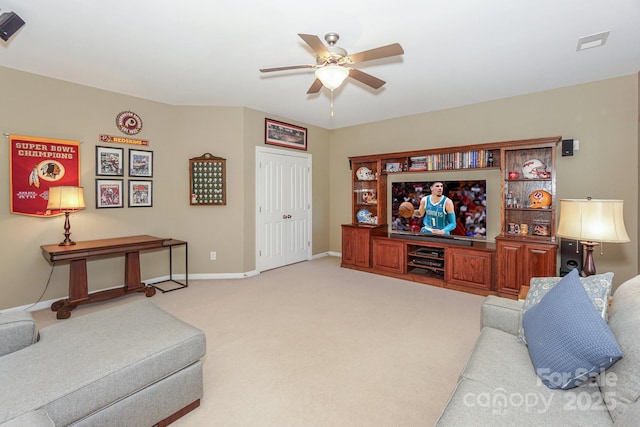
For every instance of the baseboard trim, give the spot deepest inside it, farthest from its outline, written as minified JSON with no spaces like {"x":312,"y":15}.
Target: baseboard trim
{"x":205,"y":276}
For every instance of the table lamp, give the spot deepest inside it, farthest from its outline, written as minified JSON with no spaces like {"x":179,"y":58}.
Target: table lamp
{"x":592,"y":222}
{"x":67,"y":199}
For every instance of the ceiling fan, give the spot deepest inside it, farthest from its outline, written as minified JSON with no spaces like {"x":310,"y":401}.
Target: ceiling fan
{"x":333,"y":64}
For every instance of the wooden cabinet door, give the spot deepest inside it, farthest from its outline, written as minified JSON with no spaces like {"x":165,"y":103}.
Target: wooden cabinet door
{"x":388,"y":255}
{"x":518,"y":262}
{"x":348,"y":246}
{"x":541,"y":261}
{"x":469,"y":267}
{"x":362,"y":239}
{"x":356,"y":245}
{"x":511,"y":265}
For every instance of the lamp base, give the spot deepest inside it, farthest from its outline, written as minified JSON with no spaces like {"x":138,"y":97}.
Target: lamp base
{"x":589,"y":268}
{"x":67,"y":231}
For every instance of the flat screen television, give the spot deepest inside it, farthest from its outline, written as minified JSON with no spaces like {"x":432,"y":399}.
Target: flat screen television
{"x":469,"y":202}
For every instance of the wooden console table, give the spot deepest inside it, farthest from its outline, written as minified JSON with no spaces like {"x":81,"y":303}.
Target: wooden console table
{"x":78,"y":254}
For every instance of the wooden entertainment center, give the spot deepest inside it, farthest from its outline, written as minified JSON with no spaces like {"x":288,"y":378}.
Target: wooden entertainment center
{"x":525,"y":246}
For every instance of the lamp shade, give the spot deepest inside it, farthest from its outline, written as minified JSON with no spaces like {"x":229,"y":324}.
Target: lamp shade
{"x":592,"y":220}
{"x":332,"y":75}
{"x":66,"y":198}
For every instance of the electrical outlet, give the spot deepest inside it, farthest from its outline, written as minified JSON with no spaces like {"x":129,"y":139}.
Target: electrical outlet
{"x":212,"y":256}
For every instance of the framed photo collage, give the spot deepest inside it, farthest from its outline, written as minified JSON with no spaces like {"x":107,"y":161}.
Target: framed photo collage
{"x":110,"y":172}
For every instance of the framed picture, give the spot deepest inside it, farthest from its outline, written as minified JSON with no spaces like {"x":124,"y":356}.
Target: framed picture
{"x":109,"y":161}
{"x":141,"y":163}
{"x":207,"y":181}
{"x":109,"y":193}
{"x":285,"y":135}
{"x":140,"y":193}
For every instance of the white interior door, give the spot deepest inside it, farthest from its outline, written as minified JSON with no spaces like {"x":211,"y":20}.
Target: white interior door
{"x":283,"y":201}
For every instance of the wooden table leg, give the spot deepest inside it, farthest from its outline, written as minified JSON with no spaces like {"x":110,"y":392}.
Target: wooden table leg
{"x":78,"y":289}
{"x":78,"y":284}
{"x":132,"y":278}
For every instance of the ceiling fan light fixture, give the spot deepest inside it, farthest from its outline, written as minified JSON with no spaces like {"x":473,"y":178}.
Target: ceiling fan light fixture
{"x":332,"y":75}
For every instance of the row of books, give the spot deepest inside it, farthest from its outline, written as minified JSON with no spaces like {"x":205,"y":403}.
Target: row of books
{"x":458,"y":160}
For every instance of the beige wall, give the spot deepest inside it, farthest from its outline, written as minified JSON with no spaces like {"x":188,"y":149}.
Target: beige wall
{"x":602,"y":115}
{"x":39,"y":106}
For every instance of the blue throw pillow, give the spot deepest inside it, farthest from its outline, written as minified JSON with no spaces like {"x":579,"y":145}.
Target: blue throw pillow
{"x":568,"y":340}
{"x":598,"y":288}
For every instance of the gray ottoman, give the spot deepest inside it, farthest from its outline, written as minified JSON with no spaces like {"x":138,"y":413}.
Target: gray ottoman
{"x":134,"y":364}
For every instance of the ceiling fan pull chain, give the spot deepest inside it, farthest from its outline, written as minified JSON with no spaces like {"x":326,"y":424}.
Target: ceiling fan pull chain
{"x":331,"y":103}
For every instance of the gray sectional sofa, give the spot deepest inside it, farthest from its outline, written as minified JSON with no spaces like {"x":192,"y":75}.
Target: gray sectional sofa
{"x":129,"y":365}
{"x":499,"y":386}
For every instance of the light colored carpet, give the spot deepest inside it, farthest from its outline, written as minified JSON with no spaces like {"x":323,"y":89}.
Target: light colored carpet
{"x":313,"y":344}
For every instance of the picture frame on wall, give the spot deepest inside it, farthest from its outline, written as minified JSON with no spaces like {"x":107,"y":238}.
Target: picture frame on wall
{"x":207,"y":180}
{"x":109,"y":161}
{"x":140,"y":193}
{"x":140,"y":163}
{"x":285,"y":135}
{"x":109,"y":193}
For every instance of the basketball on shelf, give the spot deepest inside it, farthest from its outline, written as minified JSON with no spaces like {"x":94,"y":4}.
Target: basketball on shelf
{"x":406,"y":209}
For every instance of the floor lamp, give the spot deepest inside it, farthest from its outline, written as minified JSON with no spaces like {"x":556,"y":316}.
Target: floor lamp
{"x":592,"y":222}
{"x":67,"y":199}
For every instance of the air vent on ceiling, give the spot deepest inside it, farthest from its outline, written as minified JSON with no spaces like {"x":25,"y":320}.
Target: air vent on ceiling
{"x":594,"y":40}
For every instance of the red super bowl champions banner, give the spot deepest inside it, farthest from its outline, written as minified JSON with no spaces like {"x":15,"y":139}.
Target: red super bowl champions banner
{"x":36,"y":164}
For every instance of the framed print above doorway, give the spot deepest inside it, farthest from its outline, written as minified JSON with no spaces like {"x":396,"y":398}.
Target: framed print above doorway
{"x":285,"y":135}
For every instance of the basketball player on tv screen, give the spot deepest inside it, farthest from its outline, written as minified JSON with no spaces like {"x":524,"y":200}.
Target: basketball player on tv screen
{"x":437,"y":210}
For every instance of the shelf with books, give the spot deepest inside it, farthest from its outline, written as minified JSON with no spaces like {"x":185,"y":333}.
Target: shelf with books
{"x":445,"y":160}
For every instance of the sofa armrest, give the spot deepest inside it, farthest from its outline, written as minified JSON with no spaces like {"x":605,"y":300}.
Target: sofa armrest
{"x":501,"y":313}
{"x":17,"y":331}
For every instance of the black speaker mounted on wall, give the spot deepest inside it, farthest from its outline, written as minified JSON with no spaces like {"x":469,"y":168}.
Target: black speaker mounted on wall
{"x":570,"y":256}
{"x":567,"y":147}
{"x":10,"y":22}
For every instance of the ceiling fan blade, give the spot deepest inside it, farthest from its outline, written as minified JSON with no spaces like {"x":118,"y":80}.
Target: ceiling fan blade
{"x":316,"y":44}
{"x":377,"y":53}
{"x":365,"y":78}
{"x":315,"y":87}
{"x":291,"y":67}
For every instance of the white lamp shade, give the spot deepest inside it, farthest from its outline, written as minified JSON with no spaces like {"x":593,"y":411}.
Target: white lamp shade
{"x":332,"y":75}
{"x":66,"y":198}
{"x":592,"y":220}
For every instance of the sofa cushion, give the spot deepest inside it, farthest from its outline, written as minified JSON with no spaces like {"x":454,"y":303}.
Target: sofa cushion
{"x":88,"y":362}
{"x":476,"y":404}
{"x":598,"y":288}
{"x":630,"y":416}
{"x":568,"y":340}
{"x":621,"y":387}
{"x":493,"y":352}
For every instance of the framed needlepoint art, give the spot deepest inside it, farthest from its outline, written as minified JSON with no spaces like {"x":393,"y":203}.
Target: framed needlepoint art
{"x":285,"y":135}
{"x":109,"y":161}
{"x":140,"y":193}
{"x":109,"y":193}
{"x":140,"y":163}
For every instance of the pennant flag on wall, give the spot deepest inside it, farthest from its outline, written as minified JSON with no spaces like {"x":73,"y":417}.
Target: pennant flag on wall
{"x":37,"y":164}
